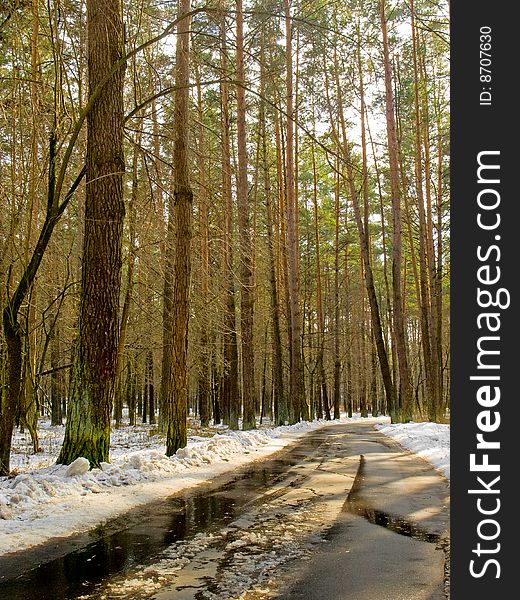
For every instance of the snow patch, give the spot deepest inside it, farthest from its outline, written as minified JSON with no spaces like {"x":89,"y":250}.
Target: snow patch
{"x":431,"y":441}
{"x":44,"y":500}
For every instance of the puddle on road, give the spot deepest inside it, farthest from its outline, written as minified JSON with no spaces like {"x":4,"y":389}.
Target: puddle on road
{"x":357,"y":505}
{"x":149,"y":532}
{"x":396,"y":524}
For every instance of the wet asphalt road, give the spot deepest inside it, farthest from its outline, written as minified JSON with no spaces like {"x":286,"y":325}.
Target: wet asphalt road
{"x":343,"y":514}
{"x":387,"y":542}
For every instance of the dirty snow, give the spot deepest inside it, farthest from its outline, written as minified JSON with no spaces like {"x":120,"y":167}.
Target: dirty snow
{"x":245,"y":557}
{"x":431,"y":441}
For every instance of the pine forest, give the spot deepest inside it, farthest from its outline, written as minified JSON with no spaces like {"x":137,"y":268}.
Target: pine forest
{"x":221,"y":213}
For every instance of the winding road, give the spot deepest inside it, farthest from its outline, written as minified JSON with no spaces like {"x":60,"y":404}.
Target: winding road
{"x":343,"y":514}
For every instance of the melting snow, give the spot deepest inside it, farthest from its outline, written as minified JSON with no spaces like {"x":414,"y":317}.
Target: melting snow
{"x":42,"y":500}
{"x":429,"y":440}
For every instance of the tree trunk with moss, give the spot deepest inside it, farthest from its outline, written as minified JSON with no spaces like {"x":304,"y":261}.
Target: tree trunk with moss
{"x":87,"y":431}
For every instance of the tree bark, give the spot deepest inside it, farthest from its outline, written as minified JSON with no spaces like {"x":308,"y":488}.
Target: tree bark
{"x":11,"y":395}
{"x":29,"y":398}
{"x":337,"y":360}
{"x":435,"y":307}
{"x":280,"y":397}
{"x":405,"y":391}
{"x":322,"y":392}
{"x":298,"y":408}
{"x":204,"y":380}
{"x":125,"y":313}
{"x":87,"y":431}
{"x":177,"y":402}
{"x":246,"y":255}
{"x":230,"y":399}
{"x":424,"y":256}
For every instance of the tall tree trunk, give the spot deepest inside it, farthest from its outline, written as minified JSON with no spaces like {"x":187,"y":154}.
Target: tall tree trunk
{"x":298,"y":407}
{"x":337,"y":363}
{"x":405,"y":390}
{"x":388,"y":294}
{"x":348,"y":326}
{"x":280,"y":397}
{"x":434,"y":288}
{"x":281,"y":234}
{"x":166,"y":235}
{"x":374,"y":400}
{"x":244,"y":228}
{"x":87,"y":431}
{"x":438,"y":272}
{"x":362,"y":361}
{"x":176,"y":403}
{"x":230,"y":399}
{"x":418,"y":271}
{"x":204,"y":383}
{"x":125,"y":313}
{"x":29,"y":398}
{"x":11,"y":393}
{"x":167,"y":313}
{"x":323,"y":401}
{"x":424,"y":259}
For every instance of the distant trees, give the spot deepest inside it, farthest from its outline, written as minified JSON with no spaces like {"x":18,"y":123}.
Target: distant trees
{"x":283,"y":251}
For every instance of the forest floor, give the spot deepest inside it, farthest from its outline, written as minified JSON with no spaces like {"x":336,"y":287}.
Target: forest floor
{"x":42,"y":500}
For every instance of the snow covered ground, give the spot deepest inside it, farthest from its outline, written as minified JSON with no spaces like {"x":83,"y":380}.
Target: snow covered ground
{"x":429,"y":440}
{"x":42,"y":500}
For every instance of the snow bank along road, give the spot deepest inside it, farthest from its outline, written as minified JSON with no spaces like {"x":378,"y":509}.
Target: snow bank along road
{"x":252,"y":536}
{"x":44,"y":500}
